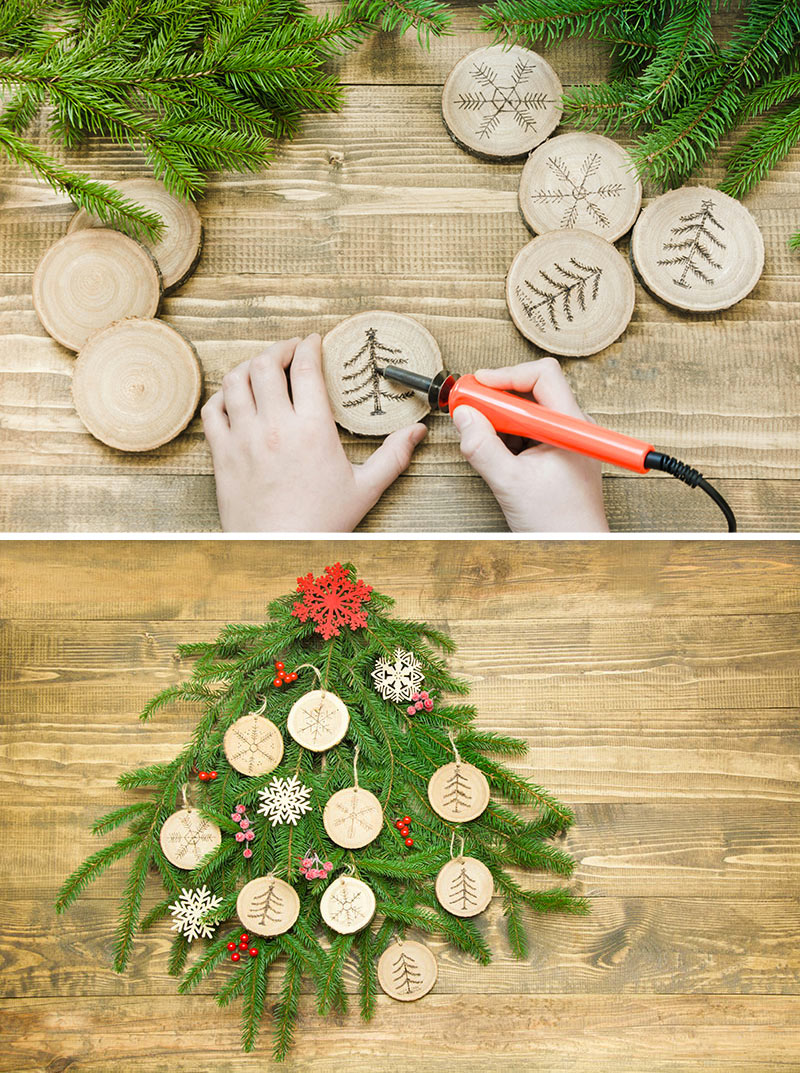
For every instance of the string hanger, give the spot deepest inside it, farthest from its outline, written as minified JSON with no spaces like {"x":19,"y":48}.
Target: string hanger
{"x":184,"y":798}
{"x":452,"y":738}
{"x":452,"y":843}
{"x":355,"y":768}
{"x":260,"y":710}
{"x":311,"y":667}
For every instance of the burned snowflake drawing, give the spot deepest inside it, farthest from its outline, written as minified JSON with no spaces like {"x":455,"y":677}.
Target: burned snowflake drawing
{"x":691,"y":247}
{"x":551,"y":301}
{"x":346,"y":907}
{"x":353,"y":815}
{"x":191,"y":911}
{"x":369,"y":385}
{"x":494,"y":99}
{"x":284,"y":800}
{"x":579,"y":194}
{"x":317,"y":722}
{"x":397,"y":680}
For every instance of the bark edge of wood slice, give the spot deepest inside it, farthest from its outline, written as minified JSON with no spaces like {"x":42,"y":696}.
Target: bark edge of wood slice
{"x":137,"y":384}
{"x":91,"y":279}
{"x":697,"y":249}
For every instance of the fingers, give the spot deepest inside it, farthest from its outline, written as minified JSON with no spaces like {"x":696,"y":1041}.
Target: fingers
{"x":387,"y":463}
{"x":237,"y":393}
{"x":543,"y":378}
{"x":268,"y":378}
{"x":309,"y":394}
{"x":481,"y":446}
{"x":215,"y":419}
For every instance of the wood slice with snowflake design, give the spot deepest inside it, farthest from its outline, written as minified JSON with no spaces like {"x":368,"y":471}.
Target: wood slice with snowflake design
{"x":499,"y":103}
{"x":318,"y":720}
{"x":458,"y":792}
{"x":464,"y":886}
{"x":268,"y":906}
{"x":353,"y":817}
{"x":570,"y":292}
{"x":407,"y":970}
{"x":187,"y":836}
{"x":354,"y":352}
{"x":697,"y":249}
{"x":347,"y":905}
{"x":580,"y":180}
{"x":253,"y":745}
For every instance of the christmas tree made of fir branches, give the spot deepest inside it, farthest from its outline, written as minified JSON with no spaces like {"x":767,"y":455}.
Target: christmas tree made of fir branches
{"x":335,"y":630}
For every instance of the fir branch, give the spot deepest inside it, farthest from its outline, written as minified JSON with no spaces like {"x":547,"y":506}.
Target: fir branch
{"x":254,"y":993}
{"x":131,"y":902}
{"x":122,"y":815}
{"x":92,"y":868}
{"x":761,"y":150}
{"x":286,"y":1010}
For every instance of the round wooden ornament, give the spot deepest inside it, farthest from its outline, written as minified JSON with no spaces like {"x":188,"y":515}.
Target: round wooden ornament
{"x":137,"y":384}
{"x":318,"y":720}
{"x":580,"y":180}
{"x":268,"y":906}
{"x":353,"y":817}
{"x":464,"y":886}
{"x":570,"y":292}
{"x":347,"y":905}
{"x":407,"y":970}
{"x":500,"y":102}
{"x":362,"y":400}
{"x":90,"y":279}
{"x":697,"y":249}
{"x":187,"y":836}
{"x":178,"y":250}
{"x":458,"y":791}
{"x":253,"y":745}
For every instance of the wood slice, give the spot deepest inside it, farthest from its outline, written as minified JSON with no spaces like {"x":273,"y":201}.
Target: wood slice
{"x":137,"y":384}
{"x":458,"y":792}
{"x":253,"y":745}
{"x":499,"y":103}
{"x":353,"y":817}
{"x":363,"y":401}
{"x":464,"y":886}
{"x":178,"y":250}
{"x":91,"y":279}
{"x":580,"y":180}
{"x":407,"y":971}
{"x":318,"y":720}
{"x":268,"y":905}
{"x":697,"y":249}
{"x":187,"y":836}
{"x":570,"y":292}
{"x":347,"y":905}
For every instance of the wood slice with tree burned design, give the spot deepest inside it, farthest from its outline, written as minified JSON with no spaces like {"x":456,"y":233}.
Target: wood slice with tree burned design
{"x":580,"y":180}
{"x":697,"y":249}
{"x":464,"y":886}
{"x":268,"y":905}
{"x":354,"y":352}
{"x":499,"y":103}
{"x":570,"y":292}
{"x":407,"y":970}
{"x":458,"y":792}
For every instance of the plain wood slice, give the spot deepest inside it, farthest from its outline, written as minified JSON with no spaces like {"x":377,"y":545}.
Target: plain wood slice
{"x":499,"y":103}
{"x":697,"y":249}
{"x":91,"y":279}
{"x":580,"y":180}
{"x":570,"y":292}
{"x":137,"y":384}
{"x":367,"y":403}
{"x":178,"y":250}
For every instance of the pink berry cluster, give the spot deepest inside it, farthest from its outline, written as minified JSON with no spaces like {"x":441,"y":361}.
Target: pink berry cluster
{"x":421,"y":700}
{"x":312,"y":868}
{"x":246,"y":834}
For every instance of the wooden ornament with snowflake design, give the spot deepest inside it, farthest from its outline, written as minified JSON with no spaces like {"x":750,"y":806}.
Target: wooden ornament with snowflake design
{"x":318,"y":720}
{"x":407,"y":970}
{"x":570,"y":292}
{"x":580,"y":180}
{"x":268,"y":905}
{"x":499,"y":102}
{"x":347,"y":905}
{"x":353,"y":817}
{"x":697,"y":249}
{"x":187,"y":836}
{"x":464,"y":886}
{"x":253,"y":745}
{"x":458,"y":792}
{"x":398,"y":679}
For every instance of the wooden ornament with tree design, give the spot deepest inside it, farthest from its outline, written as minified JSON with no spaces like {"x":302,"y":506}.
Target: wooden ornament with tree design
{"x":137,"y":384}
{"x":697,"y":249}
{"x":253,"y":745}
{"x":458,"y":791}
{"x":355,"y":350}
{"x":570,"y":292}
{"x":347,"y":905}
{"x":319,"y":719}
{"x":464,"y":886}
{"x":268,"y":906}
{"x":187,"y":836}
{"x":407,"y":970}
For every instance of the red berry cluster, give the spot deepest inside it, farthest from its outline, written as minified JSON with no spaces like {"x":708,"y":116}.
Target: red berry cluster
{"x":282,"y":676}
{"x":206,"y":776}
{"x":239,"y":815}
{"x":421,"y":700}
{"x":404,"y":827}
{"x":243,"y":946}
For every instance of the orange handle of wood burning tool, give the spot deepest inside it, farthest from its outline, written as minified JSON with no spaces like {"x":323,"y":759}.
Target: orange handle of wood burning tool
{"x":523,"y":417}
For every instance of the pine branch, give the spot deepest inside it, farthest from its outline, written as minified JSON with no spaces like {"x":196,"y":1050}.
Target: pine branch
{"x":131,"y":903}
{"x":254,"y":993}
{"x":761,"y":150}
{"x":286,"y":1010}
{"x":92,"y":868}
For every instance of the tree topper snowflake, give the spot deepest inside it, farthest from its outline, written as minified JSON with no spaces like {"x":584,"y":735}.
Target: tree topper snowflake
{"x":332,"y":600}
{"x":190,"y":912}
{"x":399,"y":680}
{"x":284,"y":800}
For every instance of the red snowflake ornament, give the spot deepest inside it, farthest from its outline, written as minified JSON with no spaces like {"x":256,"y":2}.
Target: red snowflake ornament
{"x":331,"y":601}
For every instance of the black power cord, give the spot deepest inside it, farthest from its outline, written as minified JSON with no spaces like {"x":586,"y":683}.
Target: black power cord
{"x":692,"y":477}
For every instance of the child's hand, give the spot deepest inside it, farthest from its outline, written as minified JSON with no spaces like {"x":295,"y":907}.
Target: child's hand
{"x":278,"y":461}
{"x":542,"y":489}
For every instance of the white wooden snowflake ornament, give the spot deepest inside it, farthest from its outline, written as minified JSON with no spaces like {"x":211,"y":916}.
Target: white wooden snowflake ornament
{"x":400,"y":679}
{"x":191,"y":910}
{"x":284,"y":800}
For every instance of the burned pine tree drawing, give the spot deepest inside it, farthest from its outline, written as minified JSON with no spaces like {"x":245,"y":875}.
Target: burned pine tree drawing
{"x":493,"y":100}
{"x":406,"y":974}
{"x":267,"y":906}
{"x":463,"y":890}
{"x":691,"y":247}
{"x":546,"y":297}
{"x":574,"y":195}
{"x":370,"y":385}
{"x":457,"y":791}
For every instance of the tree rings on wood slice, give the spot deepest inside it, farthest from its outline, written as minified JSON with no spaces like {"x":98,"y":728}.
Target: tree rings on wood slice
{"x":458,"y":792}
{"x":318,"y":720}
{"x":570,"y":292}
{"x":137,"y":384}
{"x":178,"y":250}
{"x":267,"y":906}
{"x":90,"y":279}
{"x":407,"y":970}
{"x":464,"y":886}
{"x":355,"y":350}
{"x":580,"y":180}
{"x":499,"y":103}
{"x":187,"y":836}
{"x":347,"y":905}
{"x":353,"y":817}
{"x":697,"y":249}
{"x":253,"y":745}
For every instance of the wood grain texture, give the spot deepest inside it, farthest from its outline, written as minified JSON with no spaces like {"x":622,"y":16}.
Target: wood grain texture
{"x":657,"y":687}
{"x":348,"y":219}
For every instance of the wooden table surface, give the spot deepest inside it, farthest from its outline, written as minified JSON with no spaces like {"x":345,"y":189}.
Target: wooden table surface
{"x":657,"y":685}
{"x":376,"y":208}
